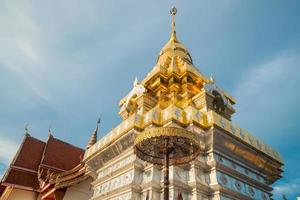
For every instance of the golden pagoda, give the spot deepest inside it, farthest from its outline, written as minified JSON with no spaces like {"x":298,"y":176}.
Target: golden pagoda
{"x":175,"y":95}
{"x":211,"y":157}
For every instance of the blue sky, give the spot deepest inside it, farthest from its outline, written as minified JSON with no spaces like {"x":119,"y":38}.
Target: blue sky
{"x":65,"y":63}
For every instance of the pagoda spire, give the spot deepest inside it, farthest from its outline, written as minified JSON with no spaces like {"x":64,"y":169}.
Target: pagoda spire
{"x":93,"y":138}
{"x":173,"y":12}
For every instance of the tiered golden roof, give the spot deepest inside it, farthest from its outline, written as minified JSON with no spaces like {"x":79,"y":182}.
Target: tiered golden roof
{"x":174,"y":80}
{"x":174,"y":48}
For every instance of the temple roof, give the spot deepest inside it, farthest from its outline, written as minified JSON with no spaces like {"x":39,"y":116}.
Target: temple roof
{"x":33,"y":147}
{"x":70,"y":177}
{"x":23,"y":169}
{"x":2,"y":189}
{"x":174,"y":80}
{"x":61,"y":155}
{"x":174,"y":48}
{"x":33,"y":156}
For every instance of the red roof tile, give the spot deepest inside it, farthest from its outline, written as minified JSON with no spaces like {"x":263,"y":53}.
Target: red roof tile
{"x":21,"y":178}
{"x":61,"y":155}
{"x":33,"y":154}
{"x":30,"y":153}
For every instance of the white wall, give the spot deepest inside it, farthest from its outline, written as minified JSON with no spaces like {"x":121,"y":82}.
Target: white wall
{"x":17,"y":194}
{"x":81,"y":191}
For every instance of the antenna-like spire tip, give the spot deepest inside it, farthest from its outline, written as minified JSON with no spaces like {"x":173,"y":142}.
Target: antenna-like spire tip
{"x":173,"y":12}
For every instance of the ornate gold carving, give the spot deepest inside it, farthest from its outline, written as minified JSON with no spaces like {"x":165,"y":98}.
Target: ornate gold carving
{"x":156,"y":116}
{"x":168,"y":132}
{"x":150,"y":146}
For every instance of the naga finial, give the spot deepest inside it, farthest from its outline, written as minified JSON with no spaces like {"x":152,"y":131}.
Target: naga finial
{"x":49,"y":130}
{"x":212,"y":79}
{"x":136,"y":81}
{"x":26,"y":129}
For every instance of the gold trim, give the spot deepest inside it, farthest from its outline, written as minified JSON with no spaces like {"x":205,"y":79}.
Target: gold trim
{"x":166,"y":132}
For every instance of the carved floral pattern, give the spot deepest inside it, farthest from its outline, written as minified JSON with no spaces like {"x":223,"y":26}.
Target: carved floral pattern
{"x":114,"y":183}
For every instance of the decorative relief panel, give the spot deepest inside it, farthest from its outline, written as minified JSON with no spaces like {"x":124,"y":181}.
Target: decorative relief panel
{"x":231,"y":183}
{"x":112,"y":151}
{"x":238,"y":168}
{"x":114,"y":183}
{"x":109,"y":170}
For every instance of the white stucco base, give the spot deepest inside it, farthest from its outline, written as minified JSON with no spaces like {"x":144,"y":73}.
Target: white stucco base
{"x":81,"y":191}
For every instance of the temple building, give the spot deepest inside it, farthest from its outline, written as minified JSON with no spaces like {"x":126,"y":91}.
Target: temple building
{"x":232,"y":163}
{"x":50,"y":170}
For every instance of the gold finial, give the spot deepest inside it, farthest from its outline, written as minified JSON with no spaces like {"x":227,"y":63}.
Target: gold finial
{"x":173,"y":12}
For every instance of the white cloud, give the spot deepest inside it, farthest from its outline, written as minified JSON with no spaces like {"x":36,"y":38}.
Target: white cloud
{"x":289,"y":188}
{"x":29,"y":51}
{"x":268,"y":90}
{"x":8,"y":149}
